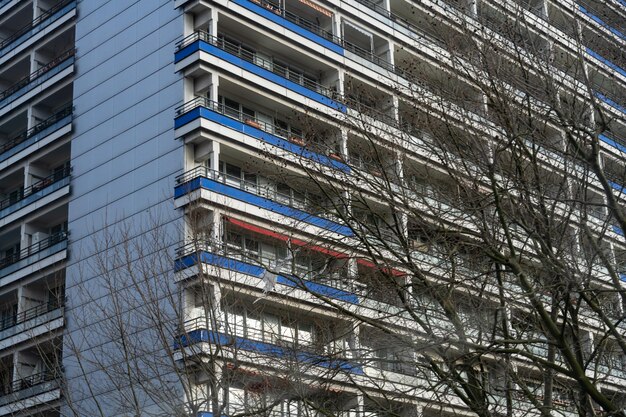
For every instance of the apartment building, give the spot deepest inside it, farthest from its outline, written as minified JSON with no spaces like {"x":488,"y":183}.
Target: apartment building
{"x":253,"y":192}
{"x":306,"y":122}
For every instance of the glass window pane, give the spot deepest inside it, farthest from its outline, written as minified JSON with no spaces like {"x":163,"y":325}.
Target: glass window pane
{"x":232,"y":170}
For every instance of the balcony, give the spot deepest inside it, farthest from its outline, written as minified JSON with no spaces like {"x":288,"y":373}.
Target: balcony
{"x":314,"y":32}
{"x":615,"y":371}
{"x":28,"y":320}
{"x":197,"y":331}
{"x":34,"y":193}
{"x":203,"y":108}
{"x":292,"y":21}
{"x":251,"y":193}
{"x":37,"y":78}
{"x":33,"y":254}
{"x":610,"y":100}
{"x":57,"y":13}
{"x":400,"y":24}
{"x":33,"y":388}
{"x":229,"y":258}
{"x":269,"y":70}
{"x":613,"y":140}
{"x":606,"y":62}
{"x":36,"y":133}
{"x":589,"y":12}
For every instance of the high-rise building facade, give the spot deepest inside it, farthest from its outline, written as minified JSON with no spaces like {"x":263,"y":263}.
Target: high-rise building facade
{"x":235,"y":207}
{"x":38,"y":64}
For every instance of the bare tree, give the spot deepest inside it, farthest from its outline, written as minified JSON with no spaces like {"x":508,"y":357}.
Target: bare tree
{"x":486,"y":220}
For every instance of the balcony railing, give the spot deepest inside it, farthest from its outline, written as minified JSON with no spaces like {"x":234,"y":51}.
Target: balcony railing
{"x":27,"y":134}
{"x":363,"y":109}
{"x":612,"y":138}
{"x":327,"y":284}
{"x":30,"y":386}
{"x":238,"y":253}
{"x":248,"y":186}
{"x":29,"y":314}
{"x":298,"y":20}
{"x":49,"y":67}
{"x":38,"y":247}
{"x":267,"y":343}
{"x":593,"y":14}
{"x":616,"y":370}
{"x":238,"y":115}
{"x":38,"y":21}
{"x":316,"y":29}
{"x":402,"y":22}
{"x":34,"y":188}
{"x":255,"y":333}
{"x":281,"y":70}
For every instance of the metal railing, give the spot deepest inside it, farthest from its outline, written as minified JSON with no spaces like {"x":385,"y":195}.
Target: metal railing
{"x":29,"y":314}
{"x":248,"y":332}
{"x":35,"y":22}
{"x":238,"y":253}
{"x":284,"y":71}
{"x":403,"y":22}
{"x":273,"y":129}
{"x":612,"y":26}
{"x":229,"y":250}
{"x":298,"y":20}
{"x":316,"y":29}
{"x":35,"y":187}
{"x":268,"y":191}
{"x":31,"y":381}
{"x":616,"y":138}
{"x":26,"y":80}
{"x":238,"y":115}
{"x":492,"y":24}
{"x":26,"y":134}
{"x":32,"y":249}
{"x":367,"y":110}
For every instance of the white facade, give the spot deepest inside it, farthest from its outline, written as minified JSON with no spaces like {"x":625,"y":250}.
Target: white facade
{"x":255,"y":74}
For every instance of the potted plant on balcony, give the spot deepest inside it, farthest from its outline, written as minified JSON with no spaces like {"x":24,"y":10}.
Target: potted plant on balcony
{"x":335,"y":155}
{"x":297,"y":140}
{"x":253,"y":123}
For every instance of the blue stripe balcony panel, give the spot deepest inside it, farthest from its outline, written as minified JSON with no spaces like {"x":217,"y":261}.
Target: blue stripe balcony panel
{"x":201,"y":45}
{"x":610,"y":102}
{"x":239,"y":126}
{"x":240,"y":343}
{"x":37,"y":26}
{"x":36,"y":81}
{"x":265,"y":203}
{"x":601,"y":22}
{"x":618,"y":231}
{"x":258,"y":271}
{"x":616,"y":144}
{"x":606,"y":62}
{"x":616,"y":186}
{"x":277,"y":18}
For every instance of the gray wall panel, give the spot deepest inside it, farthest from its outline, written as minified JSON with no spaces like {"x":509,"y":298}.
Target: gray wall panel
{"x":125,"y":158}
